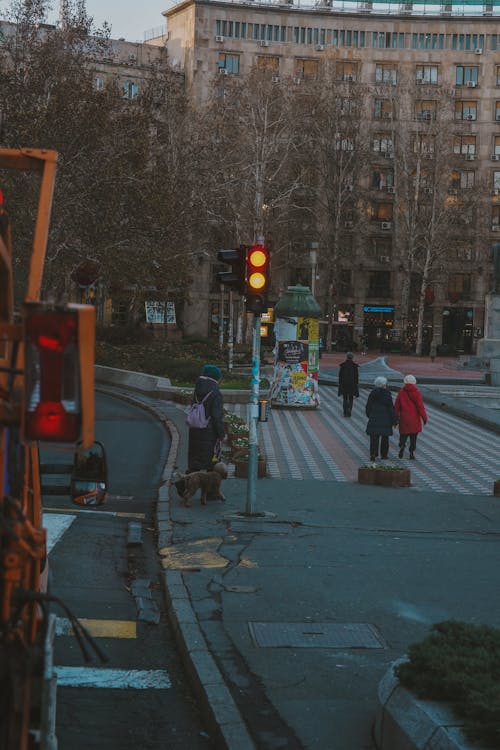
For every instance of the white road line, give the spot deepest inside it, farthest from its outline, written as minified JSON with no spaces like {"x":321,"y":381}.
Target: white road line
{"x":56,"y":524}
{"x":116,"y":679}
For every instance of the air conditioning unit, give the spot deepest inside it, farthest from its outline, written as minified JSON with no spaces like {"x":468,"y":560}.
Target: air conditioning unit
{"x":495,"y":227}
{"x":297,"y":80}
{"x":469,"y":117}
{"x":320,"y":47}
{"x":428,"y":191}
{"x":471,"y":84}
{"x":385,"y":258}
{"x":495,"y":191}
{"x":349,"y":188}
{"x":495,"y":157}
{"x":388,"y":154}
{"x":275,"y":79}
{"x":469,"y":157}
{"x":453,"y":191}
{"x":223,"y":71}
{"x":349,"y":78}
{"x":349,"y":224}
{"x":478,"y":51}
{"x":420,"y":82}
{"x":426,"y":116}
{"x":264,"y":43}
{"x":391,"y":189}
{"x":385,"y":225}
{"x":219,"y":38}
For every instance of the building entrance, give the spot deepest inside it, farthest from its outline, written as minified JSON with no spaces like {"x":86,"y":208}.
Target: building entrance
{"x":377,"y":325}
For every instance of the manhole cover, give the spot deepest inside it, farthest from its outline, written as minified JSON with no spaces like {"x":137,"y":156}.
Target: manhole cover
{"x":315,"y":635}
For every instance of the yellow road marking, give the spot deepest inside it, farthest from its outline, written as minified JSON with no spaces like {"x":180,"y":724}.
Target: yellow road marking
{"x":100,"y":628}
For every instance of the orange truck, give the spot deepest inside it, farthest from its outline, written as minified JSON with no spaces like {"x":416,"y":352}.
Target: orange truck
{"x":46,"y":395}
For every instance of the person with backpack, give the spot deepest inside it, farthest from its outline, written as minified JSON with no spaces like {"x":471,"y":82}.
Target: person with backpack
{"x":205,"y":422}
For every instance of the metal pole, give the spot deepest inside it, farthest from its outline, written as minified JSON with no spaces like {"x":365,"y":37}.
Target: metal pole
{"x":253,"y":416}
{"x":230,"y":334}
{"x":221,"y":318}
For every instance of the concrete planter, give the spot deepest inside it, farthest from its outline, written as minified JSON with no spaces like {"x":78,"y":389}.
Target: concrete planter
{"x":384,"y":477}
{"x":496,"y":488}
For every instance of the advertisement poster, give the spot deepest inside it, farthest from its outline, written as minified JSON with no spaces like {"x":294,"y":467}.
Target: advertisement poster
{"x":295,"y":380}
{"x":156,"y":310}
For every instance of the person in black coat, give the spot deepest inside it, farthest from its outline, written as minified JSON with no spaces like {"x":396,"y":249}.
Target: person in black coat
{"x":381,"y":418}
{"x":348,"y":382}
{"x":202,"y":441}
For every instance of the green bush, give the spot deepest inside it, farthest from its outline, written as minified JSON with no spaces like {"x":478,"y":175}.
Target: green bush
{"x":460,"y":663}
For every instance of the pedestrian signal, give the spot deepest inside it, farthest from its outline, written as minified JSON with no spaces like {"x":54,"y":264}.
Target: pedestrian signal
{"x":59,"y":373}
{"x":257,"y":278}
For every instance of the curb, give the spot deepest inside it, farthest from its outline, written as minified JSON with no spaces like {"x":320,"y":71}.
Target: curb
{"x":222,"y":717}
{"x":404,"y":722}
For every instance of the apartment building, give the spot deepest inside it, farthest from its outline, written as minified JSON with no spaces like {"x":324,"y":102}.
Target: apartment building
{"x":455,"y":46}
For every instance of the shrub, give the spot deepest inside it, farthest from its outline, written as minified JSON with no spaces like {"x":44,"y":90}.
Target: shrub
{"x":460,"y":663}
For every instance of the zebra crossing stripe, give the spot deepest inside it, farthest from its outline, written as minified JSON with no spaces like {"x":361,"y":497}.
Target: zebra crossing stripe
{"x":116,"y":679}
{"x":56,"y":525}
{"x":99,"y":628}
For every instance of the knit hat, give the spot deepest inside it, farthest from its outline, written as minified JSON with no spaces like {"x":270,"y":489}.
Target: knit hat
{"x":410,"y":379}
{"x":211,"y":371}
{"x":349,"y":355}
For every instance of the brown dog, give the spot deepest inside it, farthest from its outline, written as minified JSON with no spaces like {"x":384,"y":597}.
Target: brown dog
{"x":207,"y":481}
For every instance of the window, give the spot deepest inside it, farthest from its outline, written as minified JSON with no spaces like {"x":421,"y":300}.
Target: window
{"x":386,"y":74}
{"x":426,"y":74}
{"x":307,"y":69}
{"x":495,"y":217}
{"x":383,"y":109}
{"x":379,"y":284}
{"x":464,"y":144}
{"x":467,"y":75}
{"x":99,"y":83}
{"x":269,"y":63}
{"x":380,"y":211}
{"x":343,"y":143}
{"x":346,"y":71}
{"x":496,"y":145}
{"x":459,"y":286}
{"x":467,"y":179}
{"x":497,"y":111}
{"x":380,"y":249}
{"x":424,"y":144}
{"x":382,"y":144}
{"x":130,"y":90}
{"x":229,"y":63}
{"x":382,"y":179}
{"x":496,"y":180}
{"x":466,"y":111}
{"x":345,"y":283}
{"x":425,"y":110}
{"x":497,"y":75}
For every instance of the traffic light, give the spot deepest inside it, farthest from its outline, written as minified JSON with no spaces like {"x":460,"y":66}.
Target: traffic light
{"x":257,"y":278}
{"x":59,"y":373}
{"x":235,"y":278}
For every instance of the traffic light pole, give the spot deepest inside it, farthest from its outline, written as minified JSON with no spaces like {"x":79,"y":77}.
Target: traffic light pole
{"x":253,"y":416}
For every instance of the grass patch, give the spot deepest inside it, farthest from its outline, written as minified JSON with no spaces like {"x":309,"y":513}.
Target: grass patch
{"x":460,"y":663}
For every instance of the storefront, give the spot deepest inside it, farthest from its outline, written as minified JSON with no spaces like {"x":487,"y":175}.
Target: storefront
{"x":378,"y":321}
{"x":458,"y":330}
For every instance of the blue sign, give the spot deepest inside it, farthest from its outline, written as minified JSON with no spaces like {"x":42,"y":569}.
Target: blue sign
{"x":377,"y":308}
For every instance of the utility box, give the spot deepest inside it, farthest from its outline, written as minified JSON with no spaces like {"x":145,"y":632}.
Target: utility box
{"x":296,"y":350}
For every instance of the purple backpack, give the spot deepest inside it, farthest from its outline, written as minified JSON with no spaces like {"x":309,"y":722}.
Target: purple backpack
{"x":195,"y":415}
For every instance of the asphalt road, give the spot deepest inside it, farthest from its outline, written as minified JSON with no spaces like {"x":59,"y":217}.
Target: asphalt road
{"x":139,"y":698}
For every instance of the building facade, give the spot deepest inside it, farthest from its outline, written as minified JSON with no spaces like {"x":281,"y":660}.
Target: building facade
{"x":378,"y":47}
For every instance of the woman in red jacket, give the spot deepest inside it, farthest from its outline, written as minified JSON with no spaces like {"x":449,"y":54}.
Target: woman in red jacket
{"x":410,"y":410}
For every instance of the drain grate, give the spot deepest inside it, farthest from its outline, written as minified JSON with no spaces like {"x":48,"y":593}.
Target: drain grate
{"x":315,"y":635}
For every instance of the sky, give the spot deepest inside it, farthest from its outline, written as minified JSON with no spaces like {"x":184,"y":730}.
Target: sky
{"x":128,"y":18}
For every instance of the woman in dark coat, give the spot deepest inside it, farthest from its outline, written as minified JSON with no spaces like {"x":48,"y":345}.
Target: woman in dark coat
{"x":201,"y":444}
{"x":348,"y":383}
{"x":381,"y":418}
{"x":410,"y":410}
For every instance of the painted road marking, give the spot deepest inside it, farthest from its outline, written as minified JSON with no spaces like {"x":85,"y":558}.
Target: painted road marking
{"x":116,"y":679}
{"x":56,"y":524}
{"x":99,"y":628}
{"x":88,"y":511}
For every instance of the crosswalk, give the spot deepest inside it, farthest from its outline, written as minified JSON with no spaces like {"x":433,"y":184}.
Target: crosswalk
{"x":452,"y":455}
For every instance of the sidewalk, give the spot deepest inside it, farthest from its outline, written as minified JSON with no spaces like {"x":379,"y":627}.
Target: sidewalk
{"x":294,"y":615}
